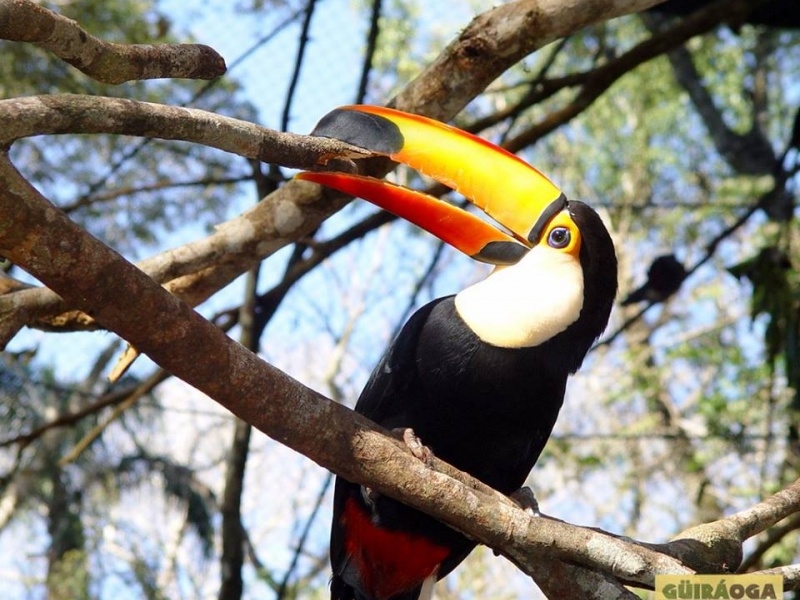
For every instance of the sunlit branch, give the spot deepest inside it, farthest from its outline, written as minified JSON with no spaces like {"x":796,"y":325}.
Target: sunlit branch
{"x":773,"y":537}
{"x":71,"y":113}
{"x":27,"y":21}
{"x":141,"y":311}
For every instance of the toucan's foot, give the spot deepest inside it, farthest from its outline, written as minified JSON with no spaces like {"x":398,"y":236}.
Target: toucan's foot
{"x":370,"y":496}
{"x":417,"y":448}
{"x":525,"y":499}
{"x":413,"y":443}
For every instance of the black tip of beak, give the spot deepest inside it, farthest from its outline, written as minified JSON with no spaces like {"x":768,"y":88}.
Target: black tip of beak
{"x":501,"y":253}
{"x":365,"y":130}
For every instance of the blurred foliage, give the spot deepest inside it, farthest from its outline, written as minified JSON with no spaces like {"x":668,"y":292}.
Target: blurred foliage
{"x":180,"y":485}
{"x":776,"y":295}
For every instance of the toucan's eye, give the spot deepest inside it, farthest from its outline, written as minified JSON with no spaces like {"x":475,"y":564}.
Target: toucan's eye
{"x":559,"y":237}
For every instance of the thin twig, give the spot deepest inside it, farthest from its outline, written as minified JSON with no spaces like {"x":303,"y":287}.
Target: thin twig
{"x":132,"y":152}
{"x":369,"y":54}
{"x":107,"y":62}
{"x":301,"y":542}
{"x":144,"y":388}
{"x":298,"y":63}
{"x":710,"y":250}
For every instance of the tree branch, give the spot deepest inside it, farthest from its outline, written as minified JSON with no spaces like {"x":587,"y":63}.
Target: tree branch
{"x":716,"y":545}
{"x":74,"y":113}
{"x":67,"y":419}
{"x":27,"y":21}
{"x":174,"y":336}
{"x":369,"y":52}
{"x":44,"y":242}
{"x":298,"y":63}
{"x":774,"y":536}
{"x":496,"y":40}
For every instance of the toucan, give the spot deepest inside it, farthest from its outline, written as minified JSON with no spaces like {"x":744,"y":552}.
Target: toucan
{"x":479,"y":376}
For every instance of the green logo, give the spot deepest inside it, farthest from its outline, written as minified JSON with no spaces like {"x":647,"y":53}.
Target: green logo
{"x":714,"y":587}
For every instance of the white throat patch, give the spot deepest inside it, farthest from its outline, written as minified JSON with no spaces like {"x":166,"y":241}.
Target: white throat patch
{"x":523,"y":305}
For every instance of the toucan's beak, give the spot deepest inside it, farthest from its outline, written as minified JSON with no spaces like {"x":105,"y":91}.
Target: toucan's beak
{"x":505,"y":187}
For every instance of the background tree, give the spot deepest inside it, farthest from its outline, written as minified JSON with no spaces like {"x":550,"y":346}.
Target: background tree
{"x":679,"y":123}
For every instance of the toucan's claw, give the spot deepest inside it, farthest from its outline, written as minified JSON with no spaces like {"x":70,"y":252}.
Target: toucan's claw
{"x":526,"y":500}
{"x":414,"y":444}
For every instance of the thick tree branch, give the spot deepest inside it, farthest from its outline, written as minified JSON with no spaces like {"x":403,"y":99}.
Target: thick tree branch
{"x":74,"y":113}
{"x":43,"y":241}
{"x":27,"y":21}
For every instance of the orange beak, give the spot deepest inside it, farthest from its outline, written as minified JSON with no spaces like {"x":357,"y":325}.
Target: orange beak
{"x":506,"y":188}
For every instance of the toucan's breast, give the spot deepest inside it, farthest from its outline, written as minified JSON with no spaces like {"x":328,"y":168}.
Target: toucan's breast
{"x":526,"y":304}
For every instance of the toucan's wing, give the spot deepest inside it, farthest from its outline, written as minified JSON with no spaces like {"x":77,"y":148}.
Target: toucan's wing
{"x":385,"y":396}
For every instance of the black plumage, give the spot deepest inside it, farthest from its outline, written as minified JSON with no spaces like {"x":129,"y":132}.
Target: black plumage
{"x":487,"y":410}
{"x":779,"y":14}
